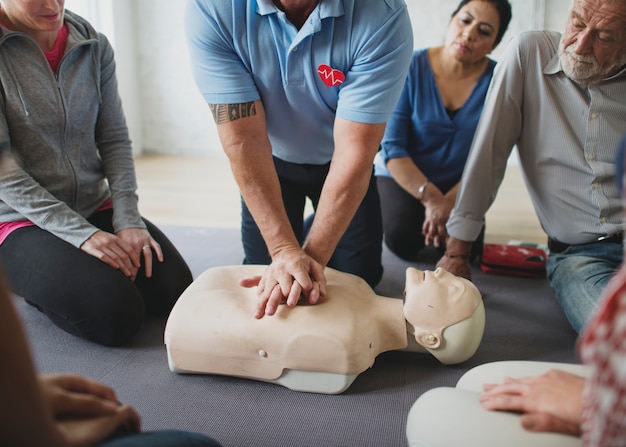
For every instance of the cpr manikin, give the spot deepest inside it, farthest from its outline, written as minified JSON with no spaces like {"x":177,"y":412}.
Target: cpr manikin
{"x":323,"y":347}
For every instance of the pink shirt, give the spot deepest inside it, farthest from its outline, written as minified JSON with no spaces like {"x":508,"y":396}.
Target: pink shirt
{"x":55,"y":55}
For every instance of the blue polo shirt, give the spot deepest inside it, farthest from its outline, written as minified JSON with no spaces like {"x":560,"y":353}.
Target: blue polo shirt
{"x":421,"y":128}
{"x":349,"y":60}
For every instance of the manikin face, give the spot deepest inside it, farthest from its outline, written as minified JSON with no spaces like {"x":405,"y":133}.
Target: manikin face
{"x":437,"y":300}
{"x":440,"y":284}
{"x":472,"y":31}
{"x":593,"y":46}
{"x":34,"y":16}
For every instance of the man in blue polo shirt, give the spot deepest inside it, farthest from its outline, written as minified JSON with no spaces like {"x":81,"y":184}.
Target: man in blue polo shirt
{"x":300,"y":91}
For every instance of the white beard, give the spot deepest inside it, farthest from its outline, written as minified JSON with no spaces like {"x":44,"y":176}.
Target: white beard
{"x":585,"y":69}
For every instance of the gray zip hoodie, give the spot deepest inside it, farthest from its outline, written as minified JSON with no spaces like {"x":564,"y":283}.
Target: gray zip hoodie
{"x":67,"y":135}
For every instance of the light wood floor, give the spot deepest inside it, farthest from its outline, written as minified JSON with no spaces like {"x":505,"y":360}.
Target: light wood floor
{"x":201,"y":192}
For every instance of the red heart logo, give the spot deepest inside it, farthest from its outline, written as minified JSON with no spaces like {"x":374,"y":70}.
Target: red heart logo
{"x":331,"y":76}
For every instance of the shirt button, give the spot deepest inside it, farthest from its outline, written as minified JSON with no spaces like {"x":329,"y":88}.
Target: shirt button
{"x":591,"y":157}
{"x":295,"y":49}
{"x":594,"y":115}
{"x":603,"y":220}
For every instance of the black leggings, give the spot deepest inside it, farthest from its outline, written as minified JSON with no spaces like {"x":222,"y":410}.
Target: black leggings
{"x":85,"y":296}
{"x":403,"y":218}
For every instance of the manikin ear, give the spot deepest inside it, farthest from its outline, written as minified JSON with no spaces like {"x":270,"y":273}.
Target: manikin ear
{"x":429,"y":339}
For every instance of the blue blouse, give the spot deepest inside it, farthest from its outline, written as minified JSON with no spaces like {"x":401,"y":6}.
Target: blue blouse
{"x":421,"y":128}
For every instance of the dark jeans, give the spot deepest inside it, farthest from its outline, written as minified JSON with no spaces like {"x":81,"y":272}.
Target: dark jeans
{"x":83,"y":295}
{"x":360,"y":248}
{"x":403,"y":217}
{"x":165,"y":438}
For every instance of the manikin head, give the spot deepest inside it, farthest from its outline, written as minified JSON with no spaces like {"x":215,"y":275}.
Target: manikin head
{"x":446,"y":313}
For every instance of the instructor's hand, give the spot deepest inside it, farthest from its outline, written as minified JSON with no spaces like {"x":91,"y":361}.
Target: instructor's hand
{"x":291,"y":276}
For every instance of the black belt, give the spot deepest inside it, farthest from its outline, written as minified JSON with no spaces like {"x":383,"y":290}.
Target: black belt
{"x":559,"y":247}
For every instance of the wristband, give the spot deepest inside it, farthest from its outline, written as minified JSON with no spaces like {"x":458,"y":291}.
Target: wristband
{"x":421,"y":189}
{"x":456,"y":256}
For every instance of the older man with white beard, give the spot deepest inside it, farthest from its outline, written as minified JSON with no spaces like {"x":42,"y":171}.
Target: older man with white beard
{"x":561,"y":99}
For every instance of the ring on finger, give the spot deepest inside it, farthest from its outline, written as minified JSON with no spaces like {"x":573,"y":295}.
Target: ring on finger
{"x":145,"y":246}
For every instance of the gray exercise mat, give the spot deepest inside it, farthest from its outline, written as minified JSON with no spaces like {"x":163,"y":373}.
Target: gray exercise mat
{"x":524,"y":322}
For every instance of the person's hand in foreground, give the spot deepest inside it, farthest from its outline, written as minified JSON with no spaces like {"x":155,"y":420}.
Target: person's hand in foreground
{"x":85,"y":412}
{"x":292,"y":275}
{"x":551,"y":402}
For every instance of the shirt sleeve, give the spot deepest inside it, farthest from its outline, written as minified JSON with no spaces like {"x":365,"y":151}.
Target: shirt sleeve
{"x":26,"y":196}
{"x":497,"y":132}
{"x":396,"y":137}
{"x":219,"y":72}
{"x":602,"y":348}
{"x":114,"y":146}
{"x":375,"y":79}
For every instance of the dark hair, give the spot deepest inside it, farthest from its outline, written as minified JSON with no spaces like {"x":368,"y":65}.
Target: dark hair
{"x":504,"y":11}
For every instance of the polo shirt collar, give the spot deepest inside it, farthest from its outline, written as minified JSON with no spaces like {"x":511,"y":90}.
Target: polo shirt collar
{"x":326,"y":8}
{"x":331,"y":8}
{"x":265,"y":7}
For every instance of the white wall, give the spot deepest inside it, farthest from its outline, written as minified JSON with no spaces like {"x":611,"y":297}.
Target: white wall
{"x":116,"y":19}
{"x":170,"y":115}
{"x":176,"y":118}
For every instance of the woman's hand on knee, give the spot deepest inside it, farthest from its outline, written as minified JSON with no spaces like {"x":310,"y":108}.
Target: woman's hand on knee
{"x":143,"y":245}
{"x":113,"y":251}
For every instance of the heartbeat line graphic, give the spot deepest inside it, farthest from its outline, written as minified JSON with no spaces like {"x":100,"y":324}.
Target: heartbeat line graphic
{"x":330,"y":76}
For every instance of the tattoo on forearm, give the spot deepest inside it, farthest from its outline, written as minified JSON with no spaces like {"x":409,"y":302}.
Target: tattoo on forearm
{"x":223,"y":113}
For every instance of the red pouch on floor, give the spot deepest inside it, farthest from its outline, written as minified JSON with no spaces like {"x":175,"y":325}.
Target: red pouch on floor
{"x":513,"y":260}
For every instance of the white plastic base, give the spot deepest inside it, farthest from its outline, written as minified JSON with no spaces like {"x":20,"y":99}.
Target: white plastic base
{"x":305,"y":381}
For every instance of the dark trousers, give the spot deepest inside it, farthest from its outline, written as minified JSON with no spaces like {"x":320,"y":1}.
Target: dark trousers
{"x":360,"y":248}
{"x":84,"y":296}
{"x":165,"y":438}
{"x":403,"y":217}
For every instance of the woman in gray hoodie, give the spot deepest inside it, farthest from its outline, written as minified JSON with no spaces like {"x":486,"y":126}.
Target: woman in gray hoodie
{"x":72,"y":241}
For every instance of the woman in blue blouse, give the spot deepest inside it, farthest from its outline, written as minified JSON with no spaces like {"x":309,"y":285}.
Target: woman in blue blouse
{"x":430,"y":132}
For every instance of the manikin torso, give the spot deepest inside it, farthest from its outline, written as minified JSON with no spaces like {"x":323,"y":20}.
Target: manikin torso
{"x":321,"y":347}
